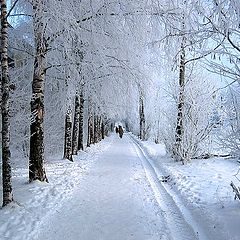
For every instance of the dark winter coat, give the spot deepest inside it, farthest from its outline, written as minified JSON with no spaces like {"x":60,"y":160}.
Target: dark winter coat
{"x":120,"y":130}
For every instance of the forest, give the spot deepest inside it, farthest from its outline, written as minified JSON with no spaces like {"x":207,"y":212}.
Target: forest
{"x":72,"y":70}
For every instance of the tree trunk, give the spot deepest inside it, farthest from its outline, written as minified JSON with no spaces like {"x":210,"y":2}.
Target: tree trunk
{"x":112,"y":127}
{"x":36,"y":157}
{"x":106,"y":127}
{"x":99,"y":122}
{"x":179,"y":127}
{"x":95,"y":126}
{"x":90,"y":131}
{"x":179,"y":151}
{"x":142,"y":118}
{"x":75,"y":134}
{"x":103,"y":130}
{"x":68,"y":137}
{"x":80,"y":135}
{"x":88,"y":134}
{"x":6,"y":166}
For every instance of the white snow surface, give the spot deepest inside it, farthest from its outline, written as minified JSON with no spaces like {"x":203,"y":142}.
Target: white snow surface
{"x":114,"y":191}
{"x":204,"y":187}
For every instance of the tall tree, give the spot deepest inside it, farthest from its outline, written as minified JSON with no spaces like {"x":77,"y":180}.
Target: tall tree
{"x":6,"y":166}
{"x":80,"y":135}
{"x":36,"y":157}
{"x":180,"y":105}
{"x":142,"y":117}
{"x":75,"y":133}
{"x":68,"y":136}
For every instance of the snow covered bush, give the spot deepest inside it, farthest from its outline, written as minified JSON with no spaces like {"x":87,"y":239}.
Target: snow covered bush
{"x":230,"y":129}
{"x":197,"y":126}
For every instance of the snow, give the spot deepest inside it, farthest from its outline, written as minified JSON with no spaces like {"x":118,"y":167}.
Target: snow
{"x":36,"y":201}
{"x":114,"y":190}
{"x":112,"y":202}
{"x":204,"y":187}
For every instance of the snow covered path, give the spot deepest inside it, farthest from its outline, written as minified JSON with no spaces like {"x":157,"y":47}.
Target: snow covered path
{"x":115,"y":201}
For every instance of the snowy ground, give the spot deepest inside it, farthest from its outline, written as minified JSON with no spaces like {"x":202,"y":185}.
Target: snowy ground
{"x":114,"y":191}
{"x":204,"y":187}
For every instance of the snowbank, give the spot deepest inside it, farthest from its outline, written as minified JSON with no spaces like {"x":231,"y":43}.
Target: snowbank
{"x":36,"y":201}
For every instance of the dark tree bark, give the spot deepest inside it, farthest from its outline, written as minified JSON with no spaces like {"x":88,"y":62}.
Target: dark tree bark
{"x":103,"y":130}
{"x":99,"y":136}
{"x":6,"y":166}
{"x":68,"y":137}
{"x":75,"y":134}
{"x":179,"y":127}
{"x":142,"y":118}
{"x":106,"y":127}
{"x":112,"y":127}
{"x":179,"y":151}
{"x":80,"y":135}
{"x":36,"y":156}
{"x":90,"y":131}
{"x":95,"y":129}
{"x":127,"y":127}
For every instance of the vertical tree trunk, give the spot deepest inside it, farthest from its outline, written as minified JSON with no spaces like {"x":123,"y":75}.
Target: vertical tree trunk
{"x":80,"y":136}
{"x":76,"y":126}
{"x":100,"y":129}
{"x":98,"y":122}
{"x":106,"y":127}
{"x":142,"y":118}
{"x":95,"y":127}
{"x":68,"y":137}
{"x":179,"y":127}
{"x":179,"y":151}
{"x":103,"y":130}
{"x":36,"y":157}
{"x":6,"y":167}
{"x":92,"y":129}
{"x":89,"y":132}
{"x":112,"y":127}
{"x":127,"y":127}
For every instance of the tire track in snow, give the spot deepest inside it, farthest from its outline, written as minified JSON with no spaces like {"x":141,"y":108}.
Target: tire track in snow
{"x":180,"y":222}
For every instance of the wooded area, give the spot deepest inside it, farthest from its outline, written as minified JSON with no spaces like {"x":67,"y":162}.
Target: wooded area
{"x":168,"y":70}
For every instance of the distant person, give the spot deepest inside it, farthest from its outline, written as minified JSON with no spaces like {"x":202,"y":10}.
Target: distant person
{"x":116,"y":129}
{"x":120,"y":130}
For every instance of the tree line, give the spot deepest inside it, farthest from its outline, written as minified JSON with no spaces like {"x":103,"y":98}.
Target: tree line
{"x":79,"y":66}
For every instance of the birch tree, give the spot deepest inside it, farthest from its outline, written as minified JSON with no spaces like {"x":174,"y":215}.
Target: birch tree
{"x":6,"y":165}
{"x":36,"y":157}
{"x":68,"y":137}
{"x":180,"y":104}
{"x":142,"y":124}
{"x":81,"y":124}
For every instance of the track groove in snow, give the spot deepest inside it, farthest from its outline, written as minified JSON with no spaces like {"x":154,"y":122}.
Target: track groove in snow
{"x":118,"y":198}
{"x":113,"y":202}
{"x":181,"y":223}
